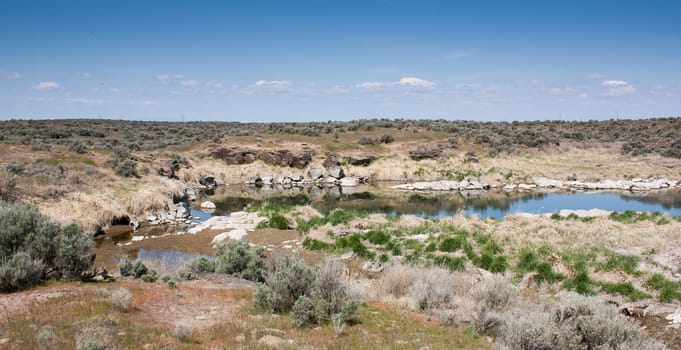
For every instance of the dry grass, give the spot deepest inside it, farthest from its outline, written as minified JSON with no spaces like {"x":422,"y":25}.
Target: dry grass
{"x":157,"y":310}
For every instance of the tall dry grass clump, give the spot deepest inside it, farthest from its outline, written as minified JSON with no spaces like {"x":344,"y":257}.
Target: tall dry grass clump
{"x":432,"y":288}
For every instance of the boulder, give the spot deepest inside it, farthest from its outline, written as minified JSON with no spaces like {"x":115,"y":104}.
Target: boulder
{"x":296,"y":177}
{"x":207,"y":205}
{"x":331,"y":161}
{"x":208,"y":181}
{"x":349,"y":182}
{"x":336,"y":172}
{"x":471,"y":157}
{"x":315,"y":173}
{"x":425,"y":152}
{"x":361,"y":160}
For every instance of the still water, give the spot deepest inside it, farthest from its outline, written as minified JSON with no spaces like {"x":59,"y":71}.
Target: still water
{"x":484,"y":204}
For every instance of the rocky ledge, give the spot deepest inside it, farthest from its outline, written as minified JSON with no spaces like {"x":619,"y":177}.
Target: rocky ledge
{"x":445,"y":185}
{"x":637,"y":184}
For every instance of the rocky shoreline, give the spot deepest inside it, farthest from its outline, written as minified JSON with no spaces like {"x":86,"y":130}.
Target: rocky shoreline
{"x":637,"y":184}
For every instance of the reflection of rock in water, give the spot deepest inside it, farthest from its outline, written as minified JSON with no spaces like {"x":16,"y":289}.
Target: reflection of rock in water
{"x":381,"y":199}
{"x":668,"y":199}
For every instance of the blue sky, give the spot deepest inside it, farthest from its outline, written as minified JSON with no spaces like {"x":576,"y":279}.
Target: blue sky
{"x":339,"y":60}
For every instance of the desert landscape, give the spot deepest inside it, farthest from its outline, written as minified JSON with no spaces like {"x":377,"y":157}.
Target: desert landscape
{"x":304,"y":256}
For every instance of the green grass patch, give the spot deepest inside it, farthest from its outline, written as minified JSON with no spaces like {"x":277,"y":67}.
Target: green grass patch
{"x":668,"y":290}
{"x":278,"y":221}
{"x":580,"y":281}
{"x":377,"y":237}
{"x":313,"y":244}
{"x":451,"y":244}
{"x":451,"y":263}
{"x":620,"y":262}
{"x":354,"y":243}
{"x":335,"y":217}
{"x":572,"y":216}
{"x":625,"y":289}
{"x":630,"y":217}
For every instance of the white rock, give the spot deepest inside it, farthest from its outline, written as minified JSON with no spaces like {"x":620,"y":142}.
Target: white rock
{"x":349,"y":182}
{"x":208,"y":205}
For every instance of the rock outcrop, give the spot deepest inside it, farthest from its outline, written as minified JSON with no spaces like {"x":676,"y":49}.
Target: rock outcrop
{"x":283,"y":157}
{"x":426,"y":152}
{"x":360,"y":161}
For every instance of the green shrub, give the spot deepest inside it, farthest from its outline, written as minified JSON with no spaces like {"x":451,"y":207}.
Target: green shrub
{"x":194,"y":268}
{"x":20,"y":272}
{"x":290,"y":279}
{"x":377,"y":237}
{"x":278,"y":221}
{"x":151,"y":276}
{"x":239,"y":259}
{"x":73,"y":252}
{"x":63,"y":252}
{"x":313,"y":244}
{"x":125,"y":266}
{"x":139,"y":269}
{"x":126,"y":168}
{"x":328,"y":290}
{"x":303,"y":313}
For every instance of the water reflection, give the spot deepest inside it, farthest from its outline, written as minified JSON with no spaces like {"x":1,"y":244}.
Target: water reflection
{"x":497,"y":204}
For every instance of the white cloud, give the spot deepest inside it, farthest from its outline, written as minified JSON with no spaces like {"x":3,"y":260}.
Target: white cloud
{"x":166,"y":78}
{"x":272,"y":83}
{"x":190,"y":83}
{"x":411,"y":82}
{"x":11,"y":75}
{"x":87,"y":75}
{"x":614,"y":83}
{"x":618,"y":87}
{"x":214,"y":84}
{"x":149,"y":103}
{"x":370,"y":85}
{"x":415,"y":82}
{"x":45,"y":85}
